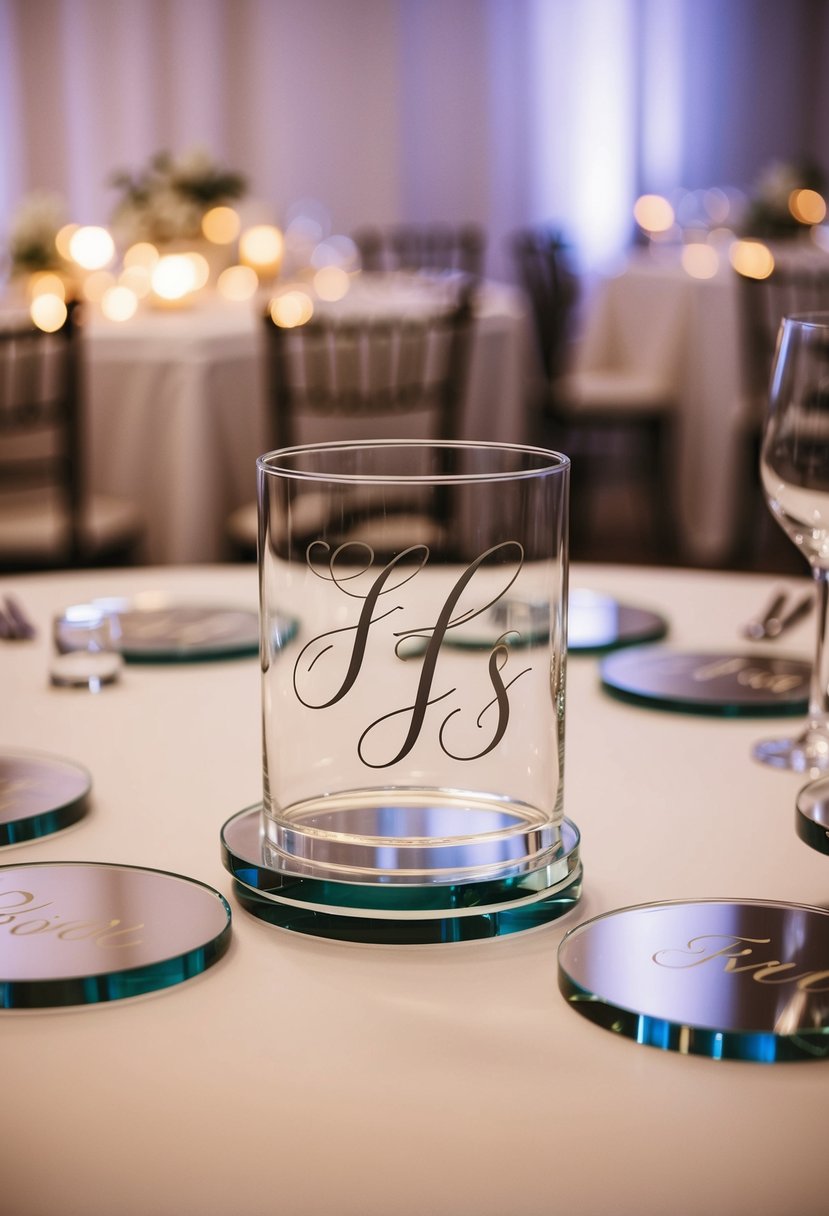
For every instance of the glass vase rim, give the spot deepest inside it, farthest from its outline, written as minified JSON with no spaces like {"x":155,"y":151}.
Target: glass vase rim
{"x":816,"y":318}
{"x":550,"y":462}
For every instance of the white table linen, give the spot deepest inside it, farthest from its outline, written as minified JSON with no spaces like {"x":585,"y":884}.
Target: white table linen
{"x":176,"y":411}
{"x":309,"y":1076}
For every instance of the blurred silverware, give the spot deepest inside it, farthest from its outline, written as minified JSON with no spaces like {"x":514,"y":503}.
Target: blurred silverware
{"x":756,"y":628}
{"x":774,"y":621}
{"x":777,"y":625}
{"x":16,"y":625}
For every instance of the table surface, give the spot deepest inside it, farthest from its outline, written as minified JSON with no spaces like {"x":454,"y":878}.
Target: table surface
{"x":308,"y":1076}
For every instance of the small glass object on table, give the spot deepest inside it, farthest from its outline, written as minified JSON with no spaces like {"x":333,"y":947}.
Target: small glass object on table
{"x":86,"y":639}
{"x":794,"y":467}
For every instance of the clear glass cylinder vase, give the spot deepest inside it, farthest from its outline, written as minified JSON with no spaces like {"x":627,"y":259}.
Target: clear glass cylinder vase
{"x":413,"y":714}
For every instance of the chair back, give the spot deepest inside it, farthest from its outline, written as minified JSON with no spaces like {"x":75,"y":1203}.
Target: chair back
{"x":370,"y":368}
{"x":427,"y":247}
{"x":40,"y":442}
{"x":374,"y":377}
{"x":795,"y":285}
{"x":541,"y":260}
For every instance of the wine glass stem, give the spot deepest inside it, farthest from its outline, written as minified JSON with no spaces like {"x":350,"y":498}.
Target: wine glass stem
{"x":819,"y":685}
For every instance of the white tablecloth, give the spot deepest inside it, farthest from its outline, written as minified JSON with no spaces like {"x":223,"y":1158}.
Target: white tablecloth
{"x":656,"y":319}
{"x":312,"y":1077}
{"x":176,"y":412}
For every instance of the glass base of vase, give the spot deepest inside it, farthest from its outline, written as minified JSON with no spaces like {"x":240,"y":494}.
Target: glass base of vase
{"x":378,"y":912}
{"x":409,"y":836}
{"x":795,"y":755}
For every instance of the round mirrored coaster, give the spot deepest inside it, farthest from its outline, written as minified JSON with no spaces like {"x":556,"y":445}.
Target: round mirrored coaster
{"x":728,"y":684}
{"x":728,"y":979}
{"x":79,"y":933}
{"x":302,"y":900}
{"x":154,"y":630}
{"x":596,"y":623}
{"x":39,"y":795}
{"x":812,"y":814}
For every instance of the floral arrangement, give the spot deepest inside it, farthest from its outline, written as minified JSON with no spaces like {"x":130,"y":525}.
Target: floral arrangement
{"x":768,"y":214}
{"x":31,"y":239}
{"x":165,"y":201}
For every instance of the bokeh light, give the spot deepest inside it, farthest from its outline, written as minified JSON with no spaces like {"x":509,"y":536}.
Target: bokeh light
{"x":48,"y":312}
{"x":336,"y":251}
{"x":653,"y":213}
{"x":331,"y":283}
{"x":137,"y":279}
{"x":173,"y":277}
{"x":292,"y":308}
{"x":261,"y":247}
{"x":119,"y":303}
{"x":141,"y":254}
{"x":201,"y":269}
{"x":96,"y":285}
{"x":807,"y":206}
{"x":700,"y":261}
{"x":752,"y":259}
{"x":237,"y":283}
{"x":46,"y":284}
{"x":63,"y":238}
{"x":717,"y":205}
{"x":221,"y":225}
{"x":91,"y":247}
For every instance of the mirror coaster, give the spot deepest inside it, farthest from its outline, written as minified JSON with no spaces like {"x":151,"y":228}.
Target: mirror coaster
{"x":307,"y":898}
{"x":727,"y":979}
{"x":727,"y":684}
{"x":80,"y":933}
{"x":151,"y":629}
{"x":39,"y":794}
{"x":812,"y":814}
{"x":596,"y":623}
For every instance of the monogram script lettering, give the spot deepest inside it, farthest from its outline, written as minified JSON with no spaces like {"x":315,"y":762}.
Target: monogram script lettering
{"x":16,"y":916}
{"x":748,"y":676}
{"x":709,"y":947}
{"x":391,"y":578}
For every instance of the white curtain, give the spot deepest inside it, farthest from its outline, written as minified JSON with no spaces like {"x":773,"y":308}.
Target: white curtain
{"x":505,"y":112}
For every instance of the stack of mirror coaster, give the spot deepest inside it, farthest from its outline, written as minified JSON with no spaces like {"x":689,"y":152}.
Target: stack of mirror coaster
{"x":812,"y":814}
{"x":473,"y":894}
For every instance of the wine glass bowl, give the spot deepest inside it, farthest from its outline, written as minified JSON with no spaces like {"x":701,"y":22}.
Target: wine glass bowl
{"x":794,"y":470}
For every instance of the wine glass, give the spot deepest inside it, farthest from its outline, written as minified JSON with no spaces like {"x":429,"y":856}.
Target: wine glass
{"x":794,"y":467}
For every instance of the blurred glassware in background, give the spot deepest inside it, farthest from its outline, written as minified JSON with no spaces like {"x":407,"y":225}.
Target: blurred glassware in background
{"x":86,"y":638}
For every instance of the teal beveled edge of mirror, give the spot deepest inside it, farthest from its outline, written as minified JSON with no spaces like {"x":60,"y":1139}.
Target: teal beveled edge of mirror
{"x":51,"y":819}
{"x":95,"y":988}
{"x":403,"y":931}
{"x":711,"y":1036}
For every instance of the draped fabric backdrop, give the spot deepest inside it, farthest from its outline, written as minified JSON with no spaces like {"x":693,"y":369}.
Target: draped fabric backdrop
{"x":505,"y":112}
